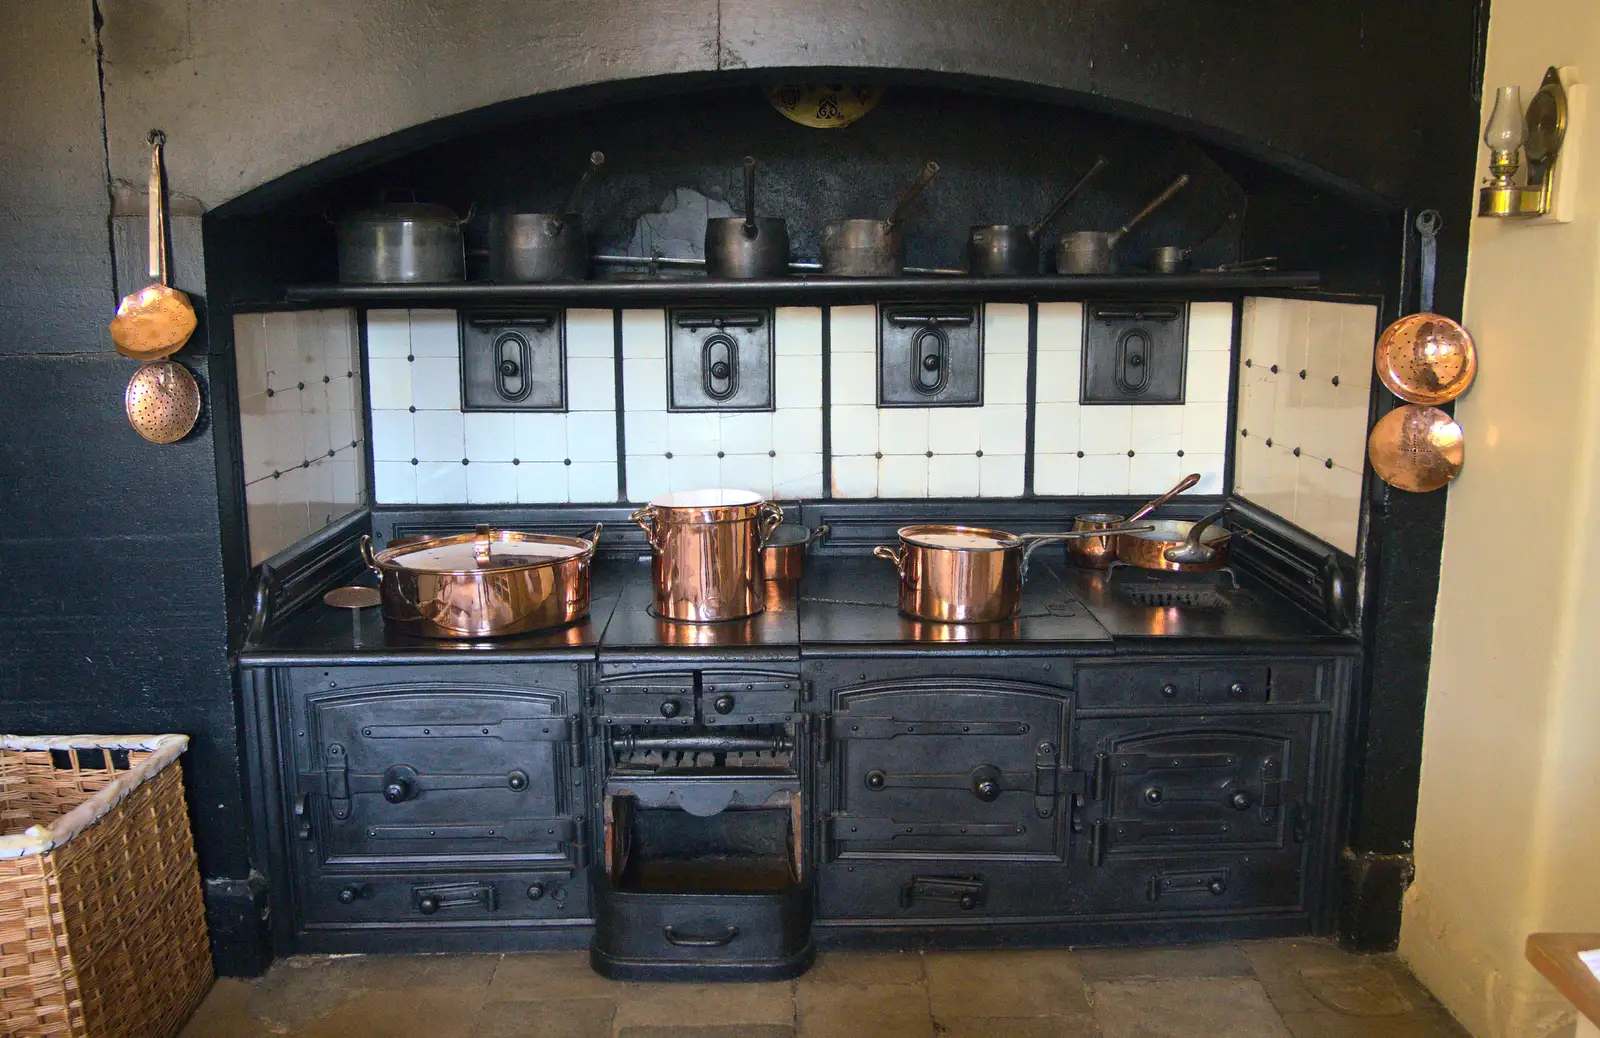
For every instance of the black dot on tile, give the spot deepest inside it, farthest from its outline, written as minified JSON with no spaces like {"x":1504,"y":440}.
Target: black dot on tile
{"x":927,"y":454}
{"x":1249,"y":363}
{"x":1297,"y":452}
{"x":1274,"y":369}
{"x":1336,"y":380}
{"x":1180,"y":454}
{"x":516,"y":461}
{"x":349,"y":374}
{"x":413,"y":410}
{"x":326,"y":379}
{"x":1130,"y":454}
{"x":1328,"y":463}
{"x":413,"y":461}
{"x":772,"y":454}
{"x":566,"y":461}
{"x":978,"y":453}
{"x":721,"y":455}
{"x":272,"y":392}
{"x":669,"y":454}
{"x":354,"y":442}
{"x":1302,"y":372}
{"x":1080,"y":454}
{"x":330,"y":452}
{"x":464,"y":461}
{"x":276,"y":474}
{"x":878,"y":455}
{"x":411,"y":357}
{"x":301,"y":385}
{"x":1269,"y":441}
{"x":1244,"y":432}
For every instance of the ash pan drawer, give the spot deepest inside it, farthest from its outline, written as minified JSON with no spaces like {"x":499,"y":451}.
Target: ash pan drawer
{"x":650,"y":927}
{"x":1194,"y":883}
{"x":443,"y":900}
{"x":957,"y":891}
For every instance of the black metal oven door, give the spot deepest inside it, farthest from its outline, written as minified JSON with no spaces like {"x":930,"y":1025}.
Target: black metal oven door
{"x":959,"y":767}
{"x":438,"y":775}
{"x":1163,"y":786}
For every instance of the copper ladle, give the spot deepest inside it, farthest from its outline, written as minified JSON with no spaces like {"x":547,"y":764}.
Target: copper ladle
{"x":158,"y":319}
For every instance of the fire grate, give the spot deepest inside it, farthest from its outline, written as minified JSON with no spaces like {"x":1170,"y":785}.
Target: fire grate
{"x":1173,"y":595}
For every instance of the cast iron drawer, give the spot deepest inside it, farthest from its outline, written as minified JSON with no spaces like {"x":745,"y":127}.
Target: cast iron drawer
{"x":444,"y":900}
{"x":959,"y":892}
{"x":1205,"y":882}
{"x":641,"y":700}
{"x":640,"y":928}
{"x":1136,"y":685}
{"x":736,"y":699}
{"x":1243,"y":682}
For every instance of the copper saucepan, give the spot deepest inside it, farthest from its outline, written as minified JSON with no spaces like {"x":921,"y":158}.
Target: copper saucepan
{"x":483,"y":584}
{"x":783,"y":554}
{"x":966,"y":574}
{"x":1177,"y":545}
{"x":1098,"y":551}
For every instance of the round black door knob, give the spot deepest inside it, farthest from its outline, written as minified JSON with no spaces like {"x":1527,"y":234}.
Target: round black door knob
{"x":876,"y":779}
{"x":723,"y":704}
{"x":510,"y":368}
{"x":1217,"y":886}
{"x":986,"y":783}
{"x":1238,"y":690}
{"x":535,"y":891}
{"x":1152,"y":795}
{"x":670,"y":708}
{"x":930,"y":362}
{"x":968,"y":902}
{"x":517,"y":781}
{"x":720,"y":370}
{"x":349,"y":895}
{"x":1240,"y":801}
{"x":398,"y":791}
{"x":1169,"y":690}
{"x":428,"y":904}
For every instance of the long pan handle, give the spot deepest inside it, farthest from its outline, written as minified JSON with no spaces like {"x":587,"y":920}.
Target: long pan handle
{"x":596,"y":160}
{"x":929,"y":171}
{"x":1055,"y":210}
{"x":750,"y":229}
{"x":158,"y":223}
{"x":1183,"y":484}
{"x":1160,"y":200}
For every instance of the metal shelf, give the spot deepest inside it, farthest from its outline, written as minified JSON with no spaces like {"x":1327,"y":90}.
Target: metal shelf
{"x":807,"y":289}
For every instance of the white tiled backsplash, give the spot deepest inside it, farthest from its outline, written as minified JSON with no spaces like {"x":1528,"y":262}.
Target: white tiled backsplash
{"x":300,"y":423}
{"x":1305,"y":386}
{"x":425,"y":450}
{"x":1130,"y":449}
{"x":776,"y":453}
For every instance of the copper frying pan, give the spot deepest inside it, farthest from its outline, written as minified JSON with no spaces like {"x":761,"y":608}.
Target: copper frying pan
{"x":1424,"y":358}
{"x":158,"y":319}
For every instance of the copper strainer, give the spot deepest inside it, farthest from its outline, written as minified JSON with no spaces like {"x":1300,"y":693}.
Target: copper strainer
{"x":157,"y":319}
{"x":1426,"y":358}
{"x":163,"y":401}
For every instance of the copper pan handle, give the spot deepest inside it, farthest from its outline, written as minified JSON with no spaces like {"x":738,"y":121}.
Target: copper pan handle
{"x":481,"y":546}
{"x":367,"y":555}
{"x":1183,"y":484}
{"x":645,"y":519}
{"x":1033,"y":540}
{"x":593,"y":536}
{"x":883,"y":551}
{"x":769,"y":517}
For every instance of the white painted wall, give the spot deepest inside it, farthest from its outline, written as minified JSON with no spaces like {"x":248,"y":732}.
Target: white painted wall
{"x":1508,"y":832}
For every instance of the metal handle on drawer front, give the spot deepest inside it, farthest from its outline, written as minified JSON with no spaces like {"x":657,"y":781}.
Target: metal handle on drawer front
{"x":429,"y":900}
{"x":720,"y":940}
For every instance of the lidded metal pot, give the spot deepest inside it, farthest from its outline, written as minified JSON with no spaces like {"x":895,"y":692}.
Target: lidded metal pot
{"x":705,"y":546}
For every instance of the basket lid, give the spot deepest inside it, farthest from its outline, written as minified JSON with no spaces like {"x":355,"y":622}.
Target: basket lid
{"x":959,"y":538}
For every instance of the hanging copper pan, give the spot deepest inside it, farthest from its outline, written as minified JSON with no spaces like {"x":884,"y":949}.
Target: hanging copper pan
{"x":158,"y":319}
{"x":1416,"y":448}
{"x":1425,"y":358}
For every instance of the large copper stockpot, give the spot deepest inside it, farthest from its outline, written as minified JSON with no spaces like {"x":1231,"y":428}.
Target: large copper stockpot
{"x":964,"y":574}
{"x":483,"y":584}
{"x":706,"y":553}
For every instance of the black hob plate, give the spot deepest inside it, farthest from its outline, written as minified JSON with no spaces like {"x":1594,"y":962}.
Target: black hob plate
{"x":851,"y":602}
{"x":636,"y":631}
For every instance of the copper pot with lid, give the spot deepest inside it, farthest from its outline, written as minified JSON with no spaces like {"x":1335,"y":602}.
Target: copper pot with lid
{"x":706,"y":553}
{"x":483,"y":584}
{"x":966,"y":574}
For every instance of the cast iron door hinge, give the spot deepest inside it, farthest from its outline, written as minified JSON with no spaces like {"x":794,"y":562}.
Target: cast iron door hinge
{"x":336,"y":776}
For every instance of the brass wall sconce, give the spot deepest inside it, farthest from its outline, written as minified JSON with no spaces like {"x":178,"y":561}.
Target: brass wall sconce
{"x":1537,"y":133}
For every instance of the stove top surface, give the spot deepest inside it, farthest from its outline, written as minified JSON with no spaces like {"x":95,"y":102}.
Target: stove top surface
{"x":636,"y":628}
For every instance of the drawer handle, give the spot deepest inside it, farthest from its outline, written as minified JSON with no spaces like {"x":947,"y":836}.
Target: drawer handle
{"x":721,"y":940}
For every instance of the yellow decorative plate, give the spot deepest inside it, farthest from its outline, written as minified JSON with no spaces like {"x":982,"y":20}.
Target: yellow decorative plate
{"x":824,"y":105}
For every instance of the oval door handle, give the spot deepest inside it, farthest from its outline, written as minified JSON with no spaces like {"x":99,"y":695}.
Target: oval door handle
{"x":720,"y":940}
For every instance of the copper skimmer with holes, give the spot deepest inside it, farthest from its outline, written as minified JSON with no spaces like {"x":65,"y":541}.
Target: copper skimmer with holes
{"x":1425,"y":358}
{"x":158,"y":319}
{"x":162,"y":401}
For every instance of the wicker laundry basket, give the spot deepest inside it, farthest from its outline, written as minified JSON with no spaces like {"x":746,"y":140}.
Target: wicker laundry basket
{"x":102,"y":926}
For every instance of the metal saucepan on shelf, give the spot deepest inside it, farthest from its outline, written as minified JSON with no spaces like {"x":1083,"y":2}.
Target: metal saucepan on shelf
{"x":401,"y":243}
{"x":158,"y":319}
{"x":872,"y":248}
{"x":1012,"y":249}
{"x":1425,"y":358}
{"x":1177,"y":545}
{"x":965,"y":574}
{"x":483,"y":584}
{"x":533,"y":247}
{"x":747,"y":246}
{"x":1095,"y":252}
{"x":783,"y":553}
{"x":1175,"y":259}
{"x":1416,"y":448}
{"x":706,"y":563}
